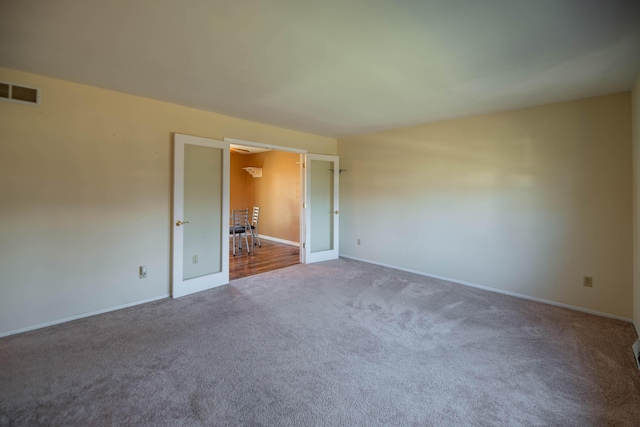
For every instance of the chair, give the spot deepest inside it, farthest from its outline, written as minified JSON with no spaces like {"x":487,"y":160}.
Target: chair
{"x":254,"y":226}
{"x":239,"y":226}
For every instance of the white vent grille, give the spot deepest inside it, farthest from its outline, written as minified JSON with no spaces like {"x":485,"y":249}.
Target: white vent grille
{"x":19,"y":93}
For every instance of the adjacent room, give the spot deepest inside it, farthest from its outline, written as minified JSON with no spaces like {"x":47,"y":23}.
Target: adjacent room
{"x":441,"y":213}
{"x":267,"y":183}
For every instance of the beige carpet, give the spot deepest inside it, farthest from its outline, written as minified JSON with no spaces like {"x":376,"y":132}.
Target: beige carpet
{"x":336,"y":343}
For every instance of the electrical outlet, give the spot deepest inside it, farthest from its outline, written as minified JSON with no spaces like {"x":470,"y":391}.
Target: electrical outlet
{"x":194,"y":259}
{"x":358,"y":242}
{"x":142,"y":271}
{"x":588,"y":281}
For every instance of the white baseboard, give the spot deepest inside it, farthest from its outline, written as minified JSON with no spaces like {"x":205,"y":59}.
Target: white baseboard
{"x":500,"y":291}
{"x":80,"y":316}
{"x":275,"y":239}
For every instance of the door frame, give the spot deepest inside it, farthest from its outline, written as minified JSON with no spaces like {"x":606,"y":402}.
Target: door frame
{"x":306,"y":258}
{"x":303,"y":178}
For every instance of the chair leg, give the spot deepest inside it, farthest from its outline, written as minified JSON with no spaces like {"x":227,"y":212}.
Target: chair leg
{"x":246,"y":241}
{"x":233,"y":244}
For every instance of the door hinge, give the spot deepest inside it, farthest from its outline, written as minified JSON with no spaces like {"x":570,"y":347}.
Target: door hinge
{"x":304,"y":205}
{"x":304,"y":246}
{"x":304,"y":165}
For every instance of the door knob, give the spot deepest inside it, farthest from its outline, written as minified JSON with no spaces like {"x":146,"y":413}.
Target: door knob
{"x":336,"y":212}
{"x":179,"y":223}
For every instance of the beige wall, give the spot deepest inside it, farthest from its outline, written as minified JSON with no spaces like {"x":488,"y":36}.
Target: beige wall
{"x":525,"y":201}
{"x":636,"y":202}
{"x":277,"y":193}
{"x":241,"y":191}
{"x":85,"y":185}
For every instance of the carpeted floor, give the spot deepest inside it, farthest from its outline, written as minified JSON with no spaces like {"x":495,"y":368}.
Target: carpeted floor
{"x":337,"y":343}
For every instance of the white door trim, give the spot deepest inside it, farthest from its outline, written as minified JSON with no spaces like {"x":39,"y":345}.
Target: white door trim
{"x":303,"y":179}
{"x":263,"y":145}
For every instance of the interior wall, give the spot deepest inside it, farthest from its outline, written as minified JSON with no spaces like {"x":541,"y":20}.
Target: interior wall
{"x":635,"y":110}
{"x":526,"y":201}
{"x":85,"y":181}
{"x":277,"y":193}
{"x":241,"y":192}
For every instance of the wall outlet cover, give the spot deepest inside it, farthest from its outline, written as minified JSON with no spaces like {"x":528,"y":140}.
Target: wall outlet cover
{"x":636,"y":351}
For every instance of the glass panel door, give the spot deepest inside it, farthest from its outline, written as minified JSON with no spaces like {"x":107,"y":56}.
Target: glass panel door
{"x":200,"y":212}
{"x":322,"y":209}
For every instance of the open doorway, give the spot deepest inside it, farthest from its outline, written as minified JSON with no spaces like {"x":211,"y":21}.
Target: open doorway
{"x":271,"y":180}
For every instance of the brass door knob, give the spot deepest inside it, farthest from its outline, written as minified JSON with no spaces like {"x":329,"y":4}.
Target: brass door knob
{"x":179,"y":223}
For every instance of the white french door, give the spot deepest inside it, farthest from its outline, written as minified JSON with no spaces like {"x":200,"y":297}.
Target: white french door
{"x":322,"y":208}
{"x":200,"y":238}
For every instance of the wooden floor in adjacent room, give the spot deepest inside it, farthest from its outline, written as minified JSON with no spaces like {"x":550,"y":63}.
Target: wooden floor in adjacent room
{"x":271,"y":256}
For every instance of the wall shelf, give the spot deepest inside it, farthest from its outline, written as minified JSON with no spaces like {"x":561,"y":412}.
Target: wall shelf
{"x":254,"y":171}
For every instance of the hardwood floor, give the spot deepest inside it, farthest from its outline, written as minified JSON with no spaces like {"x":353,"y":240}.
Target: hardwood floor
{"x":271,"y":256}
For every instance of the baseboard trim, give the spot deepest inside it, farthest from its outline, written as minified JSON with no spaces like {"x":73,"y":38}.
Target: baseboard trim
{"x":499,"y":291}
{"x":80,"y":316}
{"x":276,"y":239}
{"x":635,"y":325}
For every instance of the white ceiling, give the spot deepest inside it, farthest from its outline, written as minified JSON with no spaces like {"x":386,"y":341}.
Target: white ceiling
{"x":332,"y":67}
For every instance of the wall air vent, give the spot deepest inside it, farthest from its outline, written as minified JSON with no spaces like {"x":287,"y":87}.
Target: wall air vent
{"x":19,"y":93}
